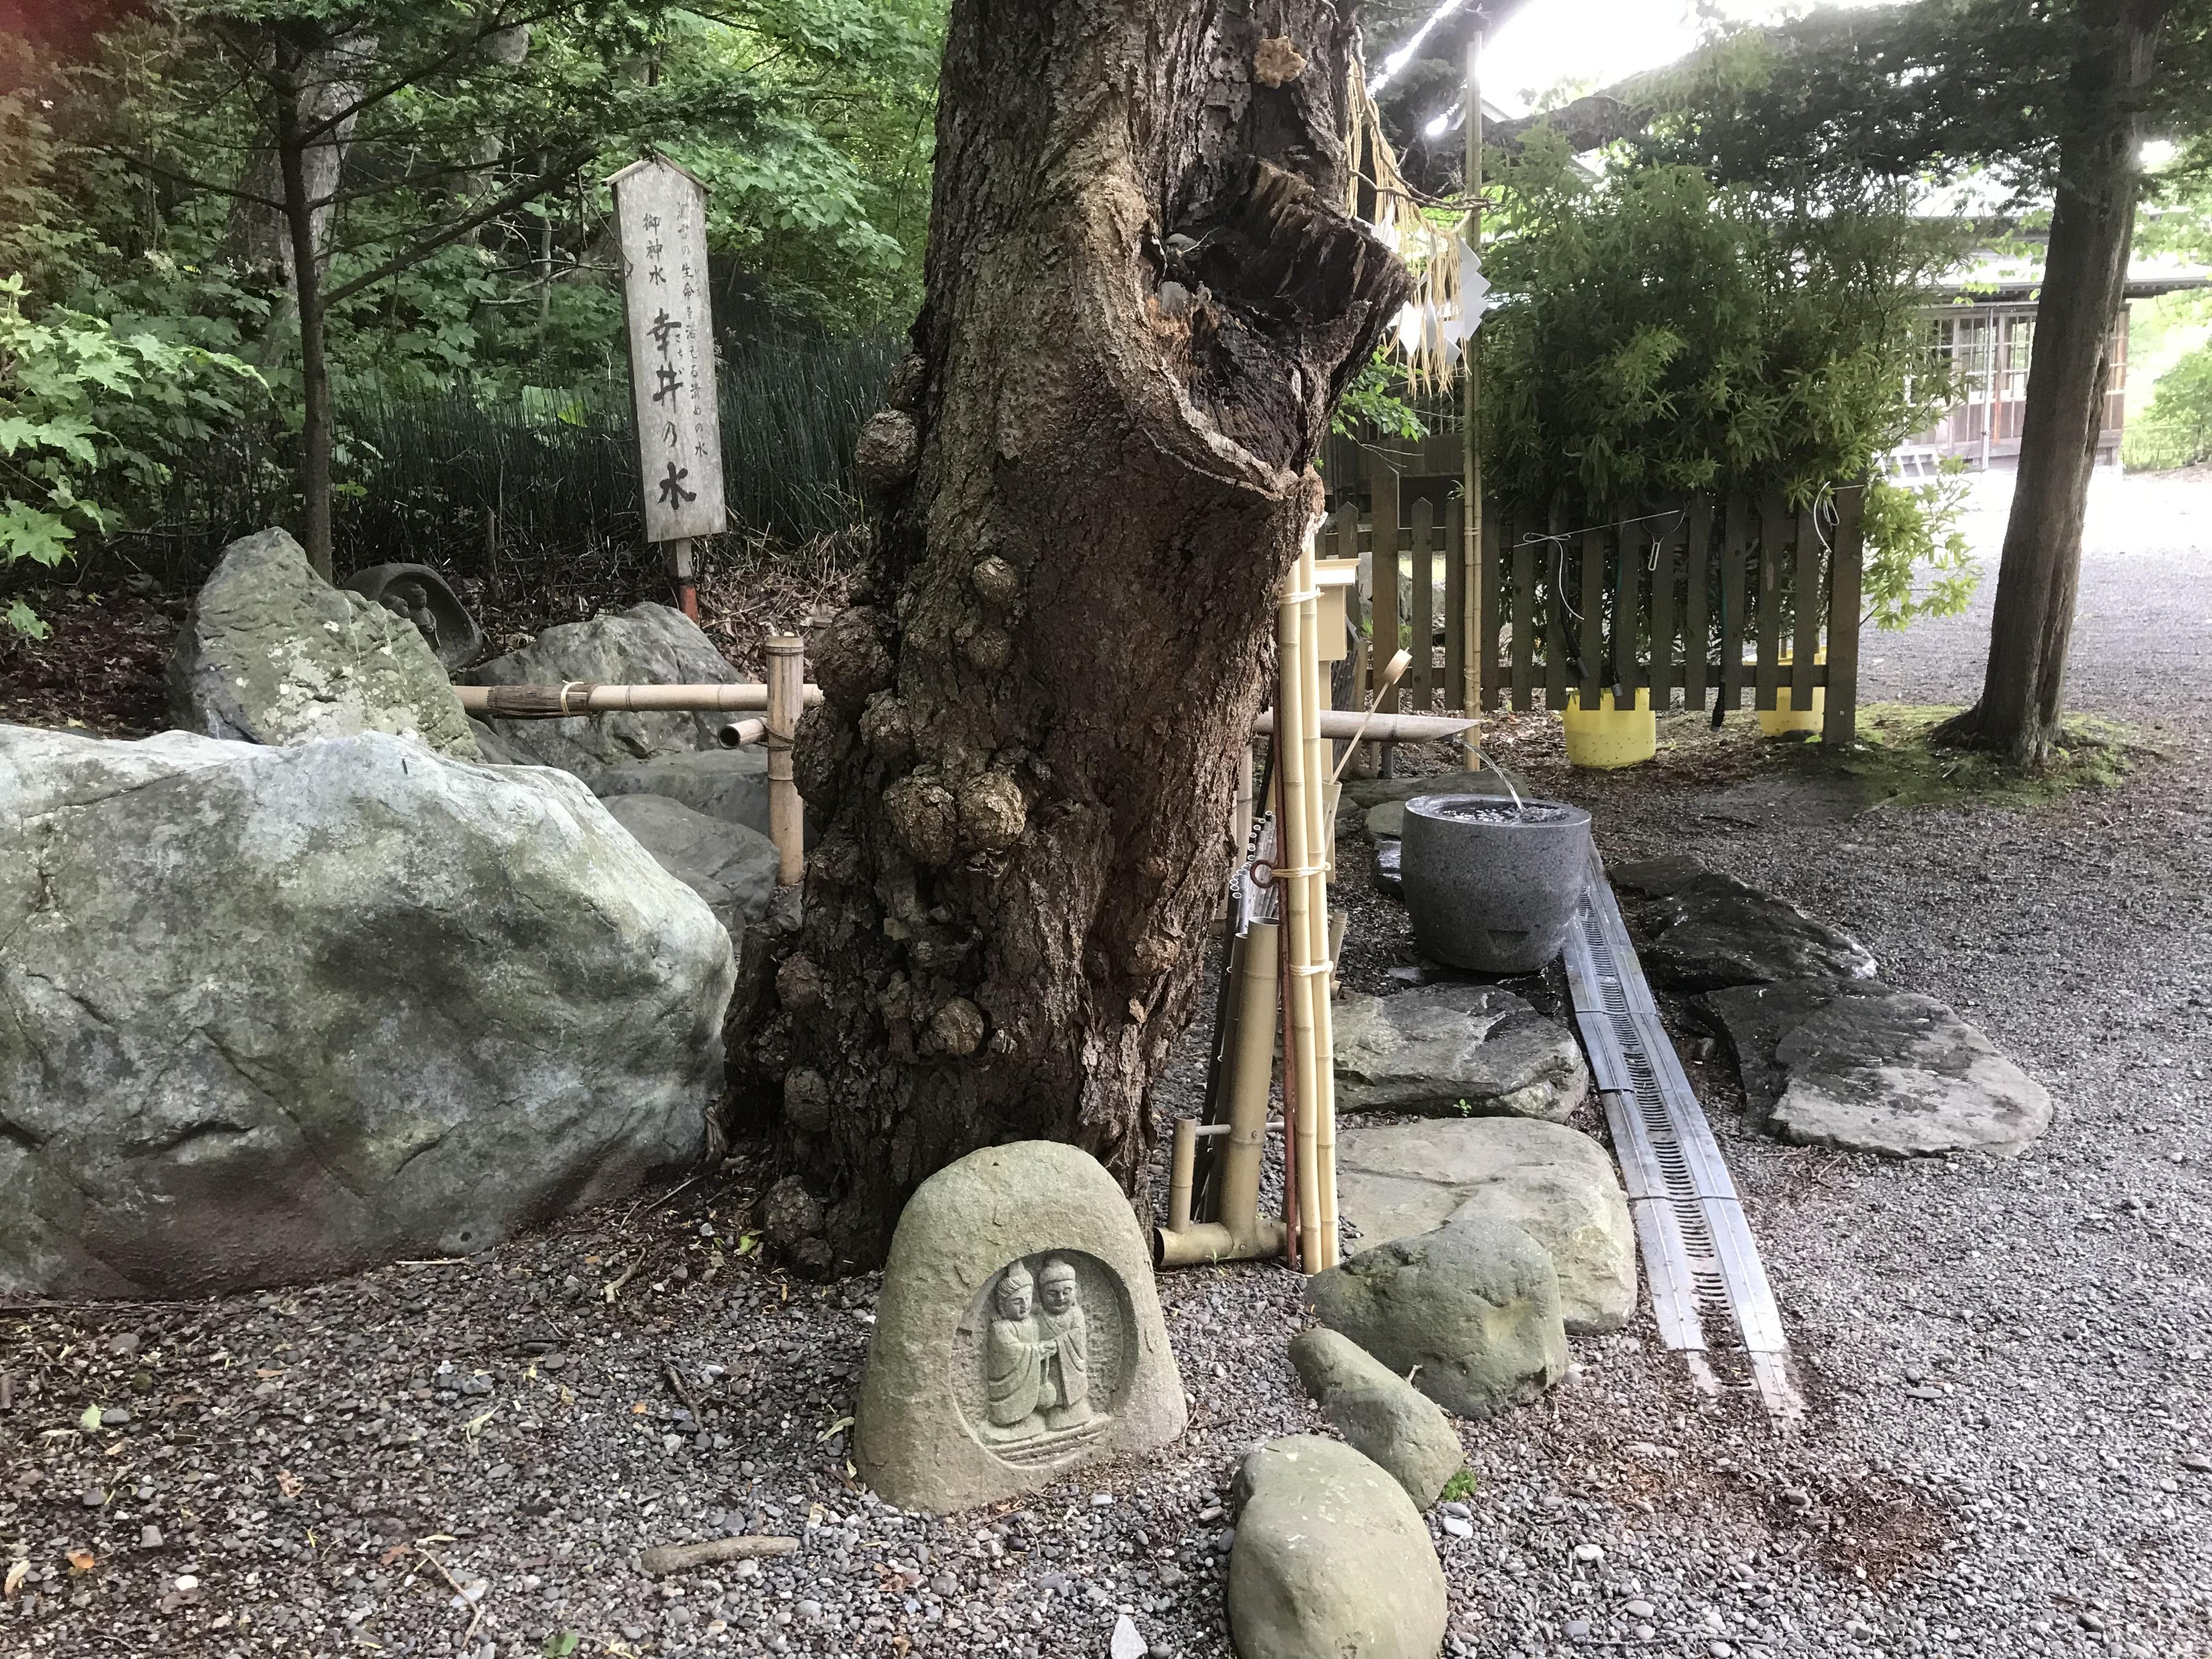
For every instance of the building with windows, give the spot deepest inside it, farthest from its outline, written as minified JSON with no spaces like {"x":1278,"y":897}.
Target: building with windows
{"x":1984,"y":334}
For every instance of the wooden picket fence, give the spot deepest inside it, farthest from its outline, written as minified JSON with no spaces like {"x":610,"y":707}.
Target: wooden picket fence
{"x":1704,"y":597}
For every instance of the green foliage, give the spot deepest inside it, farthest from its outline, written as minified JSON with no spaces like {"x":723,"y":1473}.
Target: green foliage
{"x":561,"y":1645}
{"x":2176,"y":430}
{"x":1461,"y":1486}
{"x":1826,"y":101}
{"x":87,"y":413}
{"x":1659,"y":335}
{"x":1375,"y":403}
{"x":1917,"y":562}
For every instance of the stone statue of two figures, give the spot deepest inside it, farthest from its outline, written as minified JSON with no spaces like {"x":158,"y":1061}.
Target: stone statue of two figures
{"x":1036,"y":1359}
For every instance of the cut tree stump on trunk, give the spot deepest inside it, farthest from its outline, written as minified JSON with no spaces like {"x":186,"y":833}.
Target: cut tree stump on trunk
{"x":1143,"y":296}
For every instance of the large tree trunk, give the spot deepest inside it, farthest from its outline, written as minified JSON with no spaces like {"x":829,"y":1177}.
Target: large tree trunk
{"x":1142,"y":301}
{"x":2084,"y":279}
{"x":296,"y":144}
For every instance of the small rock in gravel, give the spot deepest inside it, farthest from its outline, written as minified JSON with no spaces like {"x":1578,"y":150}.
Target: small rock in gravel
{"x":1589,"y":1552}
{"x":1126,"y":1643}
{"x":1379,"y":1413}
{"x":149,"y":1538}
{"x":2197,"y":1461}
{"x":1457,"y":1528}
{"x":1474,"y":1304}
{"x":1639,"y":1609}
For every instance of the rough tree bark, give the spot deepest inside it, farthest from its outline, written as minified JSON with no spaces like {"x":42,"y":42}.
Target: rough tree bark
{"x":293,"y":142}
{"x":1142,"y":301}
{"x":2084,"y":279}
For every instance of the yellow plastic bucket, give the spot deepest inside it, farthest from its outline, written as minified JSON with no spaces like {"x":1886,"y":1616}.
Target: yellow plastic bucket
{"x":1784,"y":717}
{"x":1606,"y":737}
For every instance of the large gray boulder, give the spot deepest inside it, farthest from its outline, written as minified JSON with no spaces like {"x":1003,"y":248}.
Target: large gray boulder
{"x":1455,"y":1049}
{"x":1474,"y":1304}
{"x":1857,"y":1065}
{"x":269,"y":1014}
{"x":1382,"y":1415}
{"x":648,"y":644}
{"x":1554,"y":1183}
{"x":1018,"y":1334}
{"x":1331,"y":1559}
{"x":730,"y":866}
{"x":273,"y":653}
{"x":729,"y":784}
{"x":1716,"y":931}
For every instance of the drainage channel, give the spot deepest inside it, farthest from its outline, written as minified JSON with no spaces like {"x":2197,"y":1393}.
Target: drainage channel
{"x":1707,"y":1286}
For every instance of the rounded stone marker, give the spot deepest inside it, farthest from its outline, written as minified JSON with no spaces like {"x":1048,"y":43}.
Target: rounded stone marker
{"x":1018,"y":1334}
{"x":1331,"y":1559}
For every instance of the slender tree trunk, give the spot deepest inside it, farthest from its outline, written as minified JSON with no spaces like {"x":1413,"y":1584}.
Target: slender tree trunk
{"x":291,"y":147}
{"x":323,"y":82}
{"x":2084,"y":279}
{"x":1142,"y":301}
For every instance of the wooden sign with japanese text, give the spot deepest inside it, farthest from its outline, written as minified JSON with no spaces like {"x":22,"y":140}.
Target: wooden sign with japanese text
{"x":660,"y":214}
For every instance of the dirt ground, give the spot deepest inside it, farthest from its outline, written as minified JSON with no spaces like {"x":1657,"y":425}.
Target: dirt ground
{"x":463,"y":1457}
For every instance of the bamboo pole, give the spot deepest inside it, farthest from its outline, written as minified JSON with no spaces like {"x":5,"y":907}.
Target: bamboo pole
{"x":1376,"y":728}
{"x":1321,"y":1249}
{"x":1240,"y":823}
{"x":1288,"y":1049}
{"x":581,"y":698}
{"x":1301,"y":857}
{"x":785,"y":670}
{"x":1238,"y":1232}
{"x":1471,"y":619}
{"x":1182,"y":1168}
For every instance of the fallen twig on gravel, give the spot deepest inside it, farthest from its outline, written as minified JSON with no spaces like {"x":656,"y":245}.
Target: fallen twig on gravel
{"x":663,"y":1559}
{"x":475,"y":1607}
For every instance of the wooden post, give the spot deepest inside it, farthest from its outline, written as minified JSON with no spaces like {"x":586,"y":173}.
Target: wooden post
{"x":786,"y":813}
{"x":1474,"y":666}
{"x":680,"y":578}
{"x":1839,"y":722}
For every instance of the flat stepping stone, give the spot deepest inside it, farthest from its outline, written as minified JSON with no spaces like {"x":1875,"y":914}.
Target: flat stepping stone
{"x":1465,"y":1050}
{"x":1556,"y":1184}
{"x":1857,"y":1065}
{"x":1660,"y":878}
{"x":1716,"y":931}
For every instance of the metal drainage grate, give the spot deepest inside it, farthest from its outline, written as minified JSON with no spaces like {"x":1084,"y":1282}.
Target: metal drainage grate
{"x":1708,"y":1288}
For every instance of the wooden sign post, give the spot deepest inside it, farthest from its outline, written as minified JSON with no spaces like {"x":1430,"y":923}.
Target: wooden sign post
{"x":660,"y":214}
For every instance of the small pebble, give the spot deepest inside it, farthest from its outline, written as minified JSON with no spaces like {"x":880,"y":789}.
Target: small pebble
{"x":1639,"y":1609}
{"x":1589,"y":1552}
{"x":1458,"y":1527}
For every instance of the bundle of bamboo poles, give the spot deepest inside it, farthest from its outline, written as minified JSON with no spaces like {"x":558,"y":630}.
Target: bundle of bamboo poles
{"x":1303,"y":777}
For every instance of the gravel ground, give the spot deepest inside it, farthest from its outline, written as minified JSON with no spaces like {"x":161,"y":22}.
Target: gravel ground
{"x":2007,"y":1362}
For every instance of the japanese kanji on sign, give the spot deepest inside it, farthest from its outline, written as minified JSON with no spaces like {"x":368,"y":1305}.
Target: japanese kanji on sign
{"x":660,"y":214}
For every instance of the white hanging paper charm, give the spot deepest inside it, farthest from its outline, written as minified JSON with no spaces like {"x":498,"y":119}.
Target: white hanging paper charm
{"x":1473,"y":289}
